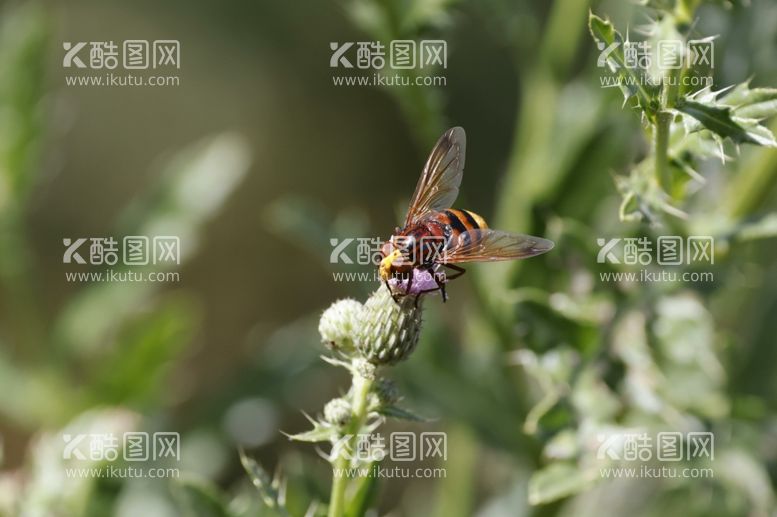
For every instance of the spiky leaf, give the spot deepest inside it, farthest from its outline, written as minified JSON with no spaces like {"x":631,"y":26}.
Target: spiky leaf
{"x":718,"y":119}
{"x":633,"y":81}
{"x":268,"y":488}
{"x":321,"y":432}
{"x":401,"y":414}
{"x":756,"y":103}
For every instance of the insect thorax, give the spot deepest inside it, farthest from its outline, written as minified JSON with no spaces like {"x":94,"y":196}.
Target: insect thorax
{"x":424,"y":243}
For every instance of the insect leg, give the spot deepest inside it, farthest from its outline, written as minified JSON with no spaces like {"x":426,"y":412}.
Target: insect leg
{"x":459,"y":271}
{"x":441,"y":287}
{"x":393,"y":295}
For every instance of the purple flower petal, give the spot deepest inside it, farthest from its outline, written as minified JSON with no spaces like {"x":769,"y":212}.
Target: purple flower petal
{"x":423,"y":280}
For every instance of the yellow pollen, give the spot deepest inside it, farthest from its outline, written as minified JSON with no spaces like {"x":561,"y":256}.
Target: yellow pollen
{"x":385,"y":265}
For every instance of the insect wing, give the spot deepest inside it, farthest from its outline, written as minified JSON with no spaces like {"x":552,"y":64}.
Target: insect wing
{"x":438,"y":186}
{"x":487,"y":245}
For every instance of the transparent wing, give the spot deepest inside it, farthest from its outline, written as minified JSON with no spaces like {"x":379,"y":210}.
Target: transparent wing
{"x":489,"y":245}
{"x":438,"y":186}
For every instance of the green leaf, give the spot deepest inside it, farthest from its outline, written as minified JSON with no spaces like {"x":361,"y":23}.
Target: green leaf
{"x":556,"y":481}
{"x":757,"y":103}
{"x":24,"y":37}
{"x":321,"y":432}
{"x":189,"y":190}
{"x":366,"y":489}
{"x":633,"y":82}
{"x":643,"y":199}
{"x":136,"y":370}
{"x":401,"y":414}
{"x":629,"y":209}
{"x":763,"y":228}
{"x":736,"y":115}
{"x":717,"y":119}
{"x":659,"y":5}
{"x":269,"y":490}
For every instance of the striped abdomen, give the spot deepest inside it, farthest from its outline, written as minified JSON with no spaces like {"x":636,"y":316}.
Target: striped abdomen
{"x":460,"y":221}
{"x":426,"y":241}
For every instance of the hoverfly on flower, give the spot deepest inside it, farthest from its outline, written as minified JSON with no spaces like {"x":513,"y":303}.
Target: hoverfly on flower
{"x":436,"y":236}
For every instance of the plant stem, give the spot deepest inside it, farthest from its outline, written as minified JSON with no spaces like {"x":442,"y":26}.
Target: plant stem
{"x":663,"y":121}
{"x":669,"y":92}
{"x":755,"y":182}
{"x":361,"y":389}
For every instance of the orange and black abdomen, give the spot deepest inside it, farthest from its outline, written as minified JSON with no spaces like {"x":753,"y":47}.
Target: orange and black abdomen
{"x":461,"y":221}
{"x":438,"y":231}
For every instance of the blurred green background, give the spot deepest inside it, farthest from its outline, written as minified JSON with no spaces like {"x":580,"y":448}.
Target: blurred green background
{"x":256,"y":159}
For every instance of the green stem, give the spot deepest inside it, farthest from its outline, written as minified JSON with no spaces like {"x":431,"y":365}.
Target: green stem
{"x":684,"y":11}
{"x":669,"y":93}
{"x":339,"y":483}
{"x":663,"y":122}
{"x":361,"y":390}
{"x":755,"y":183}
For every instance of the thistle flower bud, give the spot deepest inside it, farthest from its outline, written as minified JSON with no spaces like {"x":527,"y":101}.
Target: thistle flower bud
{"x":386,"y":392}
{"x":383,"y":394}
{"x":337,"y":412}
{"x":338,"y":325}
{"x":389,"y":330}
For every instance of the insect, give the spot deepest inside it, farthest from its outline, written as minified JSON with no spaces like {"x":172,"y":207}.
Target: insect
{"x":436,"y":236}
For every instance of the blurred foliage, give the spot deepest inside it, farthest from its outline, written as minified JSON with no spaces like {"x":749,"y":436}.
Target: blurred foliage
{"x":526,"y":367}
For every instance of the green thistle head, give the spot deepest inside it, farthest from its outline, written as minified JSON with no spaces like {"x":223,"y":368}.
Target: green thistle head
{"x":338,"y":325}
{"x":389,"y":330}
{"x":337,"y":412}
